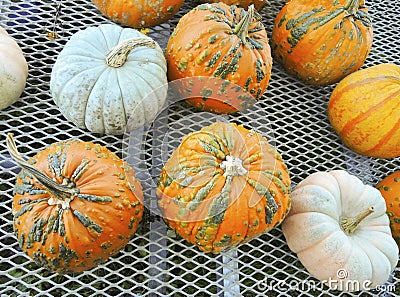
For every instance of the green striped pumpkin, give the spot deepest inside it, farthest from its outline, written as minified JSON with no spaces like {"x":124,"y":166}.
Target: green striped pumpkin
{"x":75,"y":205}
{"x":320,"y":42}
{"x":226,"y":43}
{"x":223,"y":186}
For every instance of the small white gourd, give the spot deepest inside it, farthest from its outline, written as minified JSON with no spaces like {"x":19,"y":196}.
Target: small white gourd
{"x":339,"y":229}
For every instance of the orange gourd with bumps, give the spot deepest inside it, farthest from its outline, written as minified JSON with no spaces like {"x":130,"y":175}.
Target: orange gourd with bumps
{"x":76,"y":204}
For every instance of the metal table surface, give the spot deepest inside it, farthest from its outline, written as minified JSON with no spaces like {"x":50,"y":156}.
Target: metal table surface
{"x":156,"y":262}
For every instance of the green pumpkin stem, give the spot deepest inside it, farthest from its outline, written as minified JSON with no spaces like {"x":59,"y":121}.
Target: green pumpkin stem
{"x":118,"y":54}
{"x":349,"y":225}
{"x":58,"y":192}
{"x":242,"y":28}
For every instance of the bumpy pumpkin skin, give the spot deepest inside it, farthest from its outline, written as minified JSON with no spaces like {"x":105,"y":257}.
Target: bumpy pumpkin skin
{"x":390,"y":190}
{"x":208,"y":41}
{"x":364,"y":110}
{"x":258,"y":4}
{"x":98,"y":222}
{"x":13,"y":70}
{"x":213,"y":209}
{"x":139,"y":13}
{"x":320,"y":42}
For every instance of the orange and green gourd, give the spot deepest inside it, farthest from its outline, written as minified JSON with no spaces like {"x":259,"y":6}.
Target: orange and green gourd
{"x":321,"y":42}
{"x":258,"y":4}
{"x":75,"y":205}
{"x":226,"y":43}
{"x":390,"y":190}
{"x":364,"y":110}
{"x":138,"y":13}
{"x":224,"y":185}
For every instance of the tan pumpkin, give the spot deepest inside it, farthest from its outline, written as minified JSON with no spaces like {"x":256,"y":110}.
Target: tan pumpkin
{"x":364,"y":110}
{"x":13,"y":70}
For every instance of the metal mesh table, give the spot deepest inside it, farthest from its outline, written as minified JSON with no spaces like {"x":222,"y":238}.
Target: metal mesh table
{"x":157,"y":262}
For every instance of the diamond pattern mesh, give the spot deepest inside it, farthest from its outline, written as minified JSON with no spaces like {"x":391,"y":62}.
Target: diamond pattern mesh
{"x":157,"y":262}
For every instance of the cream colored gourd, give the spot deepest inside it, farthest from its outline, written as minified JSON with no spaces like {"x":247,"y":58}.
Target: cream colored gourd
{"x":339,"y":230}
{"x":13,"y":70}
{"x":109,"y":79}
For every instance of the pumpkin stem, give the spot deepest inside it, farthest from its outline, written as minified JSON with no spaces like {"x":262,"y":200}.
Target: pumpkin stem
{"x":60,"y":194}
{"x":118,"y":54}
{"x":242,"y":28}
{"x":350,"y":224}
{"x":233,"y":166}
{"x":352,"y":6}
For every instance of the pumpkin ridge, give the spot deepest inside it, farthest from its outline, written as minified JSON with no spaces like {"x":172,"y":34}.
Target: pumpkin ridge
{"x":139,"y":90}
{"x":202,"y":193}
{"x":222,"y":200}
{"x":385,"y":139}
{"x":362,"y":116}
{"x":297,"y":31}
{"x":94,"y":51}
{"x":214,"y":151}
{"x":65,"y":85}
{"x":276,"y":180}
{"x":87,"y":222}
{"x":271,"y":206}
{"x":339,"y":93}
{"x":222,"y":145}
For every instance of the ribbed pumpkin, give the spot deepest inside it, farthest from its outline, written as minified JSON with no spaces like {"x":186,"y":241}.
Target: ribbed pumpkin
{"x":221,"y":41}
{"x":103,"y":78}
{"x":364,"y":110}
{"x":139,"y":13}
{"x":320,"y":42}
{"x":75,"y":205}
{"x":339,"y":230}
{"x":390,"y":190}
{"x":223,"y":186}
{"x":258,"y":4}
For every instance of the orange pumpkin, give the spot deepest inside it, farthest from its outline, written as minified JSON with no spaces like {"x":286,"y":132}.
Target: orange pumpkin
{"x":364,"y":110}
{"x":258,"y":4}
{"x":75,"y":205}
{"x":223,"y":186}
{"x":390,"y":190}
{"x":221,"y":41}
{"x":139,"y":13}
{"x":320,"y":42}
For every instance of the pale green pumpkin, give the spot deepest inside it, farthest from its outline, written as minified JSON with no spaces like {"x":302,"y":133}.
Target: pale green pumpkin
{"x":109,"y":79}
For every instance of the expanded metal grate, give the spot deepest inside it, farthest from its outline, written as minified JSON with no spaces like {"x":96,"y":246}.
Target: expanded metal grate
{"x":157,"y":262}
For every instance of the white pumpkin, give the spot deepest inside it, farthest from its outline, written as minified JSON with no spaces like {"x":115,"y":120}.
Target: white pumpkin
{"x":13,"y":70}
{"x":339,"y":230}
{"x":109,"y":79}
